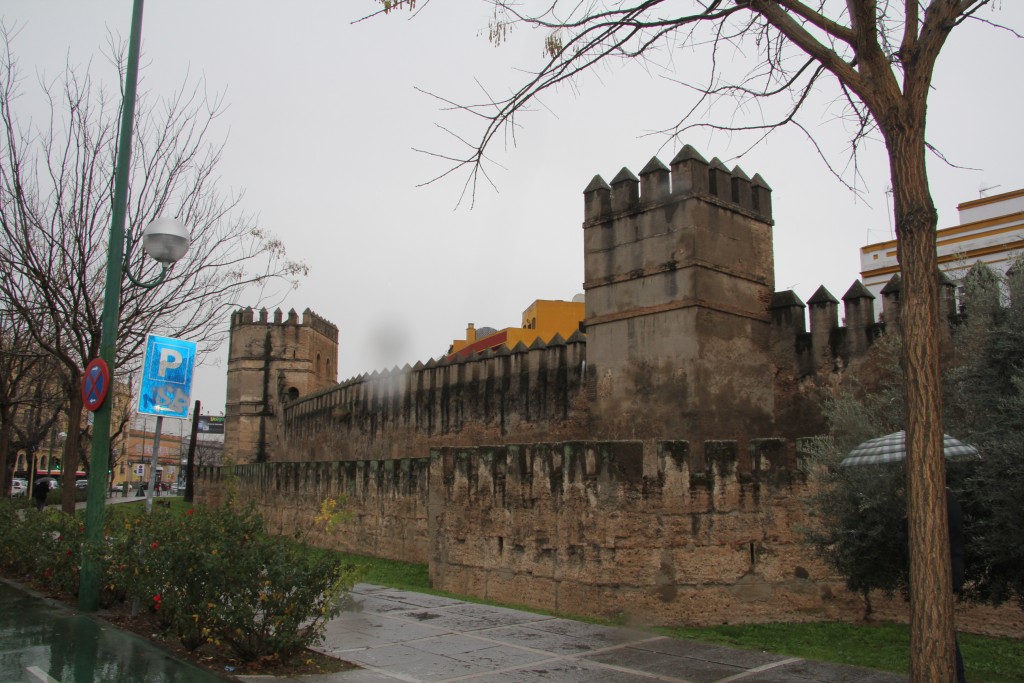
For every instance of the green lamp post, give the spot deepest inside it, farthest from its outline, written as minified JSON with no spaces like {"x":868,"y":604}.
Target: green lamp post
{"x":166,"y":240}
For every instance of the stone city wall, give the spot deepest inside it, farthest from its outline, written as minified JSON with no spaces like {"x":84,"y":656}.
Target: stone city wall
{"x":383,"y":502}
{"x":650,"y":534}
{"x":656,"y":533}
{"x":519,"y":394}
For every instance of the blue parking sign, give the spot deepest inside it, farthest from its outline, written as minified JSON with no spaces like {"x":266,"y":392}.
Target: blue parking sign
{"x":167,"y":377}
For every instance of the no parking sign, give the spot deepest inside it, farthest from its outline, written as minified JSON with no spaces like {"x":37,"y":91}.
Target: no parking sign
{"x":95,"y":384}
{"x":167,"y":377}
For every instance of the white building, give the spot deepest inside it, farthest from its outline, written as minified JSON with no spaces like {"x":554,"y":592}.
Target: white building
{"x":991,"y":230}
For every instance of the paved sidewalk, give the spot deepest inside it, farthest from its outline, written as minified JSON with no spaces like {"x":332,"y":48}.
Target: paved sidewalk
{"x":403,"y":636}
{"x":45,"y":641}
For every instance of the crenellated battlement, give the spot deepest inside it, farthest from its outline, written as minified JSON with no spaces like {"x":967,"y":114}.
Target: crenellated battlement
{"x":830,"y":345}
{"x":246,"y":316}
{"x":689,"y":175}
{"x":321,"y":325}
{"x":489,"y":397}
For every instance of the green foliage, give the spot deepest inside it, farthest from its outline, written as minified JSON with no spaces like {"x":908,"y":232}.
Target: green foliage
{"x":214,"y":574}
{"x":863,"y":534}
{"x":301,"y":590}
{"x":878,"y":646}
{"x":985,"y":395}
{"x":45,"y":547}
{"x":392,"y":573}
{"x":208,"y":574}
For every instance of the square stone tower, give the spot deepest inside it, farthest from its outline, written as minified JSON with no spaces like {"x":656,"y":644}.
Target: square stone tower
{"x":679,"y":275}
{"x":269,"y":364}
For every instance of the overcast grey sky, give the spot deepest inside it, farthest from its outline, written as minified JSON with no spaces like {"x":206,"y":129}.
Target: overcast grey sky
{"x":323,"y":117}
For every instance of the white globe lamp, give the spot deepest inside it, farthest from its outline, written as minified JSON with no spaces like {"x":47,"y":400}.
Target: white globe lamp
{"x":166,"y":240}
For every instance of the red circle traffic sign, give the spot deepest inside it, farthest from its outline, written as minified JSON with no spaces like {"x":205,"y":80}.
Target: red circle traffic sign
{"x":95,"y":384}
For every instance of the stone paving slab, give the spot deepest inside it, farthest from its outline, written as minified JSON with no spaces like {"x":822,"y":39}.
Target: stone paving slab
{"x":562,"y":671}
{"x":601,"y":636}
{"x":524,"y":636}
{"x":507,"y":616}
{"x":412,"y":664}
{"x":414,"y":600}
{"x":387,"y":628}
{"x":452,"y":644}
{"x":666,"y":665}
{"x":443,"y":619}
{"x":410,"y":637}
{"x":708,"y":651}
{"x":378,"y":605}
{"x":500,"y":657}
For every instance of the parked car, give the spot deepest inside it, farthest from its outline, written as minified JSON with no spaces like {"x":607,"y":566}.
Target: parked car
{"x":19,"y":487}
{"x":82,"y":484}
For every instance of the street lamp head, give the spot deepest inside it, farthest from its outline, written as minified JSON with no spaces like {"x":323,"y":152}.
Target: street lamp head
{"x":166,"y":240}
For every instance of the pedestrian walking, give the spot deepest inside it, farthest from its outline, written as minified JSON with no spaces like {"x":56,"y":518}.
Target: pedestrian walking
{"x":40,"y":490}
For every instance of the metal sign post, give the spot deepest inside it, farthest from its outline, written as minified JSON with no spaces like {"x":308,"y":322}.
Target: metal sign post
{"x":153,"y":464}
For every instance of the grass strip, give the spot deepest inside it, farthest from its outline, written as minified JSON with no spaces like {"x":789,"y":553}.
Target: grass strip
{"x":883,"y":646}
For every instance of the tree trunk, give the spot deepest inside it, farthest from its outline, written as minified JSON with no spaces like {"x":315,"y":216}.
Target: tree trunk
{"x":6,"y":458}
{"x":931,"y":592}
{"x":69,"y":457}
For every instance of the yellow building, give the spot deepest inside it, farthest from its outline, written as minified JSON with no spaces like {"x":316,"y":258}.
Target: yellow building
{"x":48,"y":454}
{"x":134,"y":461}
{"x":542,"y":320}
{"x":991,"y":230}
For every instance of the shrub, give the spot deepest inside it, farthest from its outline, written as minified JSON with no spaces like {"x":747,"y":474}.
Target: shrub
{"x":209,"y":574}
{"x":285,"y":606}
{"x":214,"y":574}
{"x":864,"y":531}
{"x":45,"y":547}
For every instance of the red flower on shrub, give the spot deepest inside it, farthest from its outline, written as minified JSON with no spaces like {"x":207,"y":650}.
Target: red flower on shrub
{"x":68,"y":553}
{"x":156,"y":602}
{"x":154,"y":545}
{"x":47,"y":573}
{"x":189,"y":512}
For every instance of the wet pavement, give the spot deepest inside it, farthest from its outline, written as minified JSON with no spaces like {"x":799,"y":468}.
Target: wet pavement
{"x":42,"y":640}
{"x":403,"y":636}
{"x":397,"y":635}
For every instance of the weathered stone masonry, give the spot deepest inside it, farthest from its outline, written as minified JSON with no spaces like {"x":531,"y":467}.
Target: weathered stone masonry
{"x":653,"y":533}
{"x":387,"y":501}
{"x":647,"y":468}
{"x":617,"y":529}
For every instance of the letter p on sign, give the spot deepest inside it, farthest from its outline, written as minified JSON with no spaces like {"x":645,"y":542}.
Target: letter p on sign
{"x":169,"y":360}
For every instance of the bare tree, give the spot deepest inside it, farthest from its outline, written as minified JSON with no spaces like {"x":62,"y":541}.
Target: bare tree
{"x":877,"y":60}
{"x":30,"y":398}
{"x":56,"y":189}
{"x":208,"y":452}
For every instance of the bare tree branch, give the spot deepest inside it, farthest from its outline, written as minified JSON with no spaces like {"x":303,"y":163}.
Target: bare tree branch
{"x":882,"y":58}
{"x":56,"y":197}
